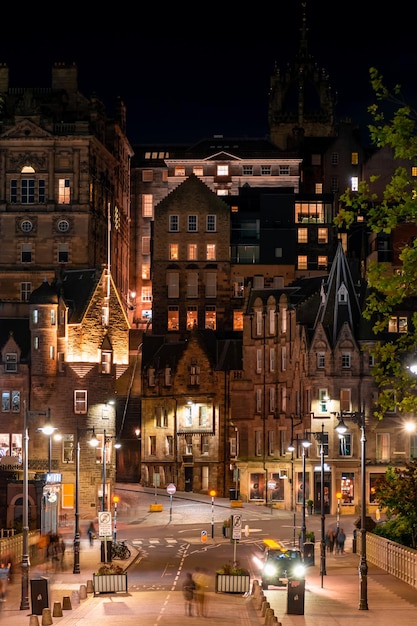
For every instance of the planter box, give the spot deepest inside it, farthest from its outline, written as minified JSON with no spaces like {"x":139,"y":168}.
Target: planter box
{"x":236,"y":504}
{"x":232,"y":583}
{"x":110,"y":583}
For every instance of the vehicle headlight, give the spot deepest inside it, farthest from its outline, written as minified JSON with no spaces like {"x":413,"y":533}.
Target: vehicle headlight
{"x":299,"y":571}
{"x":269,"y":569}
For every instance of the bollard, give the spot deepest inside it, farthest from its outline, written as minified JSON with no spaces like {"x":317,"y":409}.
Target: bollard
{"x":265,"y":606}
{"x":66,"y":603}
{"x":83,"y":592}
{"x":75,"y":597}
{"x":46,"y":617}
{"x":269,"y":617}
{"x":90,"y":588}
{"x":57,"y":612}
{"x":33,"y":621}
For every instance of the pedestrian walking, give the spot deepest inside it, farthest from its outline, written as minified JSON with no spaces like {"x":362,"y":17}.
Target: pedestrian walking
{"x":188,"y":590}
{"x":4,"y":579}
{"x":201,"y":584}
{"x":91,"y":532}
{"x":341,"y":538}
{"x":330,"y":541}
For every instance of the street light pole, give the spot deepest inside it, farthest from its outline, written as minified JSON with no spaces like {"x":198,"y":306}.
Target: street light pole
{"x":359,"y":419}
{"x":212,"y":493}
{"x":76,"y":568}
{"x":24,"y":602}
{"x":322,"y":511}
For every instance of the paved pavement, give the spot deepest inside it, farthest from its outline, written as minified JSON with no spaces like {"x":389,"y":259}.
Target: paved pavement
{"x":329,"y":600}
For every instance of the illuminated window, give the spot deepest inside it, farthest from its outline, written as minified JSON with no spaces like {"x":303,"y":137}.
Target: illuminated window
{"x":146,"y":245}
{"x":237,"y":320}
{"x":323,"y":400}
{"x":173,"y":251}
{"x":173,"y":318}
{"x":147,"y":205}
{"x":192,"y":317}
{"x":179,"y":170}
{"x":354,"y":183}
{"x":302,"y":235}
{"x":302,"y":262}
{"x":211,"y":252}
{"x":322,"y":262}
{"x":192,"y":252}
{"x":146,"y":271}
{"x":64,"y":191}
{"x":146,"y":294}
{"x":354,"y":158}
{"x":198,"y":170}
{"x":222,"y":170}
{"x":322,"y":235}
{"x":68,"y":448}
{"x":210,"y":317}
{"x":106,"y":357}
{"x":318,"y":188}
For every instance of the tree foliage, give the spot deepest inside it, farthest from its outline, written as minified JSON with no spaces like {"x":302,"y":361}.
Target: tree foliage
{"x":397,"y":493}
{"x":393,"y":127}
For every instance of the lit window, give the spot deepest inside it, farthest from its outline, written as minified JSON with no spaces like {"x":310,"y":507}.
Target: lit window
{"x":106,"y":362}
{"x":302,"y":235}
{"x":192,"y":321}
{"x":146,"y":271}
{"x":146,"y":294}
{"x":302,"y":262}
{"x":222,"y":170}
{"x":322,"y":235}
{"x":211,"y":252}
{"x":173,"y":318}
{"x":192,"y":252}
{"x":322,"y":262}
{"x":318,"y":188}
{"x":179,"y":170}
{"x":173,"y":251}
{"x":323,"y":400}
{"x":147,"y":205}
{"x":237,"y":320}
{"x":355,"y":158}
{"x":64,"y":191}
{"x":210,"y":318}
{"x":354,"y":183}
{"x":198,"y":170}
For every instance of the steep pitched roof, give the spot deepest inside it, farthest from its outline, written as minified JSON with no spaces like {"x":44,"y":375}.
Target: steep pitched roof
{"x":339,"y":301}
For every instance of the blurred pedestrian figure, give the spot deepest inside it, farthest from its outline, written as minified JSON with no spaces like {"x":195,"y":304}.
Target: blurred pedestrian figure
{"x":62,"y":548}
{"x":188,"y":589}
{"x":330,"y":540}
{"x":4,"y":579}
{"x":341,"y":538}
{"x":201,"y":584}
{"x":91,"y":532}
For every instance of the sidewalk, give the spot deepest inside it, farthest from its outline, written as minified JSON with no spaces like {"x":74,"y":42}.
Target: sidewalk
{"x":335,"y":603}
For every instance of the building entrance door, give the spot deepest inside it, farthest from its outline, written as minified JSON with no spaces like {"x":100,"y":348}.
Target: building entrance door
{"x":188,"y":478}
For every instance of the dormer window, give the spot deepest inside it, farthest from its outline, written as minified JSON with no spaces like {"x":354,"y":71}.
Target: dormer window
{"x":10,"y":365}
{"x":342,"y":295}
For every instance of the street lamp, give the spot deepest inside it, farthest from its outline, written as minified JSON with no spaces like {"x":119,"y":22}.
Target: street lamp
{"x":212,"y":493}
{"x":359,"y":419}
{"x":338,"y":496}
{"x":305,"y":444}
{"x":25,"y":564}
{"x":115,"y":502}
{"x":319,"y":436}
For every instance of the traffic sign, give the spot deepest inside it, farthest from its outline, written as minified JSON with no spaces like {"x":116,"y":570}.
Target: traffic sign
{"x":171,"y":489}
{"x":203,"y":536}
{"x":104,"y":524}
{"x":236,"y":526}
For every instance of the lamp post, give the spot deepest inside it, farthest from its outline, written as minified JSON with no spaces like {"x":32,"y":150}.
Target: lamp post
{"x":212,"y":493}
{"x":25,"y":564}
{"x":338,"y":496}
{"x":115,"y":502}
{"x":359,"y":419}
{"x":319,"y":436}
{"x":305,"y":444}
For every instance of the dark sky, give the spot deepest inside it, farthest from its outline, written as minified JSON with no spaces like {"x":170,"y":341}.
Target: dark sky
{"x":189,"y":75}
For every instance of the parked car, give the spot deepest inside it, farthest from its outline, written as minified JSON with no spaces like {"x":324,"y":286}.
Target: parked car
{"x":281,"y":564}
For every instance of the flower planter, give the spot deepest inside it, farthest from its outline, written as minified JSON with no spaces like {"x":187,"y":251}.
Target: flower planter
{"x":110,"y":583}
{"x":232,"y":583}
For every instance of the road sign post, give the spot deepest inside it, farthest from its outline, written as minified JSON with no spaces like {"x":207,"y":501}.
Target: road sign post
{"x":171,"y":489}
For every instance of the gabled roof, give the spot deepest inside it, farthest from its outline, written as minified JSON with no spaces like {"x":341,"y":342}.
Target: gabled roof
{"x":339,"y":301}
{"x":19,"y":329}
{"x":77,"y":287}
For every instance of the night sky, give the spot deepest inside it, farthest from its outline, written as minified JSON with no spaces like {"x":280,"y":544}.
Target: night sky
{"x":188,"y":75}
